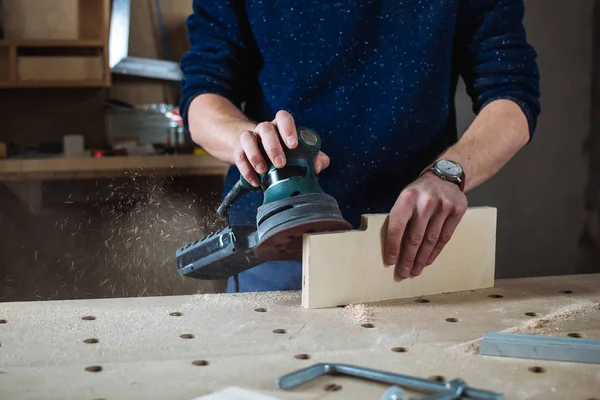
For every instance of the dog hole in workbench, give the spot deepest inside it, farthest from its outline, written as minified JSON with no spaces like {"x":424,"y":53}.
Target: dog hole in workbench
{"x":279,"y":331}
{"x":437,"y":378}
{"x":88,"y":318}
{"x":531,"y":314}
{"x":260,"y":309}
{"x":574,"y":335}
{"x":368,"y":326}
{"x":186,"y":336}
{"x":451,"y":320}
{"x":537,"y":370}
{"x":566,"y":291}
{"x":91,"y":341}
{"x":93,"y":368}
{"x":399,"y":349}
{"x":332,"y":387}
{"x":495,"y":296}
{"x":422,"y":301}
{"x":302,"y":356}
{"x":200,"y":363}
{"x":176,"y":314}
{"x":3,"y":321}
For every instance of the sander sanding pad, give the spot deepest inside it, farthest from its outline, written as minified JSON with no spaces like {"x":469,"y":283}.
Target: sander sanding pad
{"x":286,"y":243}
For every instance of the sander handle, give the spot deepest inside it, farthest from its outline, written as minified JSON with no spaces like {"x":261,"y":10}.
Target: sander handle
{"x":309,"y":145}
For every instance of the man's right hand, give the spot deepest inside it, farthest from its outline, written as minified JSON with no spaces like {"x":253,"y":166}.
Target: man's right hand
{"x":248,"y":157}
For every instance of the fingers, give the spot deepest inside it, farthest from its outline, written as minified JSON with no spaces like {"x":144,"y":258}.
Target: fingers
{"x":321,"y":162}
{"x":431,"y":239}
{"x":248,"y":157}
{"x":243,"y":164}
{"x":413,"y":239}
{"x":401,"y":213}
{"x":445,"y":235}
{"x":287,"y":128}
{"x":250,"y":160}
{"x":421,"y":223}
{"x":270,"y":140}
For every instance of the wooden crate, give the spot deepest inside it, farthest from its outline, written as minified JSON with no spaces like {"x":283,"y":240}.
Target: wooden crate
{"x":57,"y":68}
{"x":53,"y":19}
{"x":47,"y":42}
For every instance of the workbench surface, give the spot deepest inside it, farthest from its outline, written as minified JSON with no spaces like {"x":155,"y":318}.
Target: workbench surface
{"x":184,"y":347}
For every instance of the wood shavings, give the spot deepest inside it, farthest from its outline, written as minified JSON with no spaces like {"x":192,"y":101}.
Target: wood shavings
{"x":561,"y":315}
{"x":359,"y":314}
{"x":545,"y":325}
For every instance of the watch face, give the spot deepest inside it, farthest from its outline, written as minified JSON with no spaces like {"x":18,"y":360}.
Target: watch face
{"x":449,"y":168}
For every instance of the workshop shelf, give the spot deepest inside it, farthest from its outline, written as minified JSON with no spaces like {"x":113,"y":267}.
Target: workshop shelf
{"x":62,"y":44}
{"x":107,"y":167}
{"x":56,"y":43}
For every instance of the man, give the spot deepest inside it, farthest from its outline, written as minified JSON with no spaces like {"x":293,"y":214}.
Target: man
{"x":376,"y":79}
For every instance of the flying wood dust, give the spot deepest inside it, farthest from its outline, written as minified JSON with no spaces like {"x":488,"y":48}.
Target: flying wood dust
{"x":146,"y":225}
{"x":121,"y":244}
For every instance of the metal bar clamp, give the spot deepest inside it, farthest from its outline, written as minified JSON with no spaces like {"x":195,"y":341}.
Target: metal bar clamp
{"x":455,"y":389}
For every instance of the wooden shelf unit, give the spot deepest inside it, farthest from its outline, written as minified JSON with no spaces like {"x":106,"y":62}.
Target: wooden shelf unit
{"x":39,"y":50}
{"x":107,"y":167}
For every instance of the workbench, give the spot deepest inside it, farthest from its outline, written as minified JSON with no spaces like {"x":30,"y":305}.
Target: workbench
{"x":185,"y":347}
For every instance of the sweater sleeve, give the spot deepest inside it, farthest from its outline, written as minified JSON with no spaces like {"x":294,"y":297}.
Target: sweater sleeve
{"x":222,"y":56}
{"x":494,"y":58}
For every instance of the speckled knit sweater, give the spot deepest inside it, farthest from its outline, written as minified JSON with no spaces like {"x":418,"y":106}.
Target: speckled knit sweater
{"x":375,"y":78}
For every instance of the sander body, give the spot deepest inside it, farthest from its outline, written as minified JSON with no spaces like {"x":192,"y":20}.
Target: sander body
{"x":294,"y":204}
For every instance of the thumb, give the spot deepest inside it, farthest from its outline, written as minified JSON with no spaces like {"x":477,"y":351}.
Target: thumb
{"x":321,"y":162}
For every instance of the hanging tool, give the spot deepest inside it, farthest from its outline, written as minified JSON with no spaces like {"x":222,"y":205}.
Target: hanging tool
{"x":294,"y":204}
{"x":456,"y":389}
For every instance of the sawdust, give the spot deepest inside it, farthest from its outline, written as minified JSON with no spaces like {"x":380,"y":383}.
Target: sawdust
{"x":122,"y":243}
{"x":359,"y":313}
{"x":139,"y":223}
{"x":545,"y":325}
{"x":249,"y":301}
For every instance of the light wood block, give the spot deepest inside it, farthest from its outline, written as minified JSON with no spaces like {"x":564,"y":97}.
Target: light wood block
{"x":349,"y":268}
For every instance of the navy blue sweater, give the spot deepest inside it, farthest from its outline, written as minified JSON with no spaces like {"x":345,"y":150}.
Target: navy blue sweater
{"x":376,"y":79}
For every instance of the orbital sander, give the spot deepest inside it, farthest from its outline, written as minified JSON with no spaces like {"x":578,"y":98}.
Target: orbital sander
{"x":294,"y":204}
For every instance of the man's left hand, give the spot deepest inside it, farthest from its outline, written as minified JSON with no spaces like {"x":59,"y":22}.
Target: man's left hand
{"x":421,"y":222}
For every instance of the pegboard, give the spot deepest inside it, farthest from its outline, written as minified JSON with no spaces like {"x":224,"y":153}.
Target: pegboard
{"x":184,"y":347}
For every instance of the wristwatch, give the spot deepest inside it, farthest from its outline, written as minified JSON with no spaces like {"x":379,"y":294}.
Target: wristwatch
{"x":449,"y":171}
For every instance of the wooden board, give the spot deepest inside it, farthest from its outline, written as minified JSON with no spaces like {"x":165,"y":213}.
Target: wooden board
{"x":74,"y":168}
{"x":139,"y":354}
{"x":349,"y":267}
